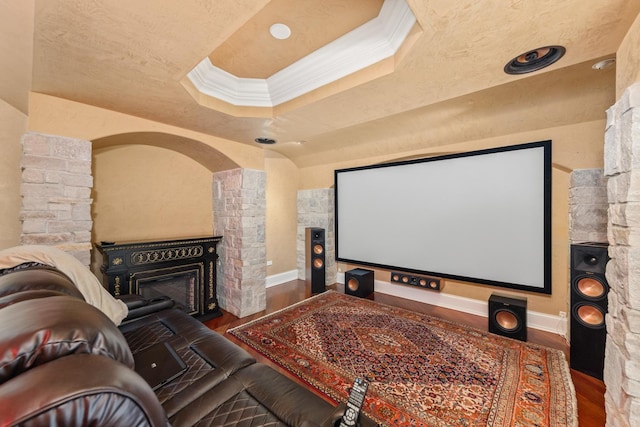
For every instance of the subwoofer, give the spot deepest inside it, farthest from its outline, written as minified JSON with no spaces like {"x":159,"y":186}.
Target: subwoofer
{"x":589,"y":305}
{"x":508,"y":316}
{"x":315,"y":259}
{"x":358,"y":282}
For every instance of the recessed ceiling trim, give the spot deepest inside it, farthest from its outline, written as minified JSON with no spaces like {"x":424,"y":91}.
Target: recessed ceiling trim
{"x":368,"y":44}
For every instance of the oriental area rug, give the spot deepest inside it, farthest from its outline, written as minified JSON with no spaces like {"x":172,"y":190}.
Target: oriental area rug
{"x":422,"y":371}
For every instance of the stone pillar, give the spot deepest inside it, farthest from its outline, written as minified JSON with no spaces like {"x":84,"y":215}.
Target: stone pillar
{"x":316,"y":209}
{"x":56,"y":193}
{"x":239,"y":205}
{"x":588,"y":206}
{"x":622,"y":166}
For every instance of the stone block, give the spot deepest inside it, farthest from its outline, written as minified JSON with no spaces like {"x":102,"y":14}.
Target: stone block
{"x":613,"y":374}
{"x":81,"y":211}
{"x":37,"y":144}
{"x":611,"y":151}
{"x":37,"y":214}
{"x":41,"y":190}
{"x":46,"y":163}
{"x":34,"y":226}
{"x":70,"y":148}
{"x":80,"y":167}
{"x":78,"y":193}
{"x":587,"y":178}
{"x":33,"y":176}
{"x":74,"y":180}
{"x":45,"y":239}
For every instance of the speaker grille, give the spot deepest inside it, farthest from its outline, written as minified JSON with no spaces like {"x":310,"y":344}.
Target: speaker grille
{"x":425,"y":282}
{"x":589,"y":315}
{"x":590,"y":287}
{"x":353,"y":284}
{"x":507,"y":320}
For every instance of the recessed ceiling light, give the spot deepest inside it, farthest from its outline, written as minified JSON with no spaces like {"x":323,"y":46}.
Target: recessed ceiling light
{"x":605,"y":63}
{"x":280,"y":31}
{"x":265,"y":141}
{"x":534,"y":60}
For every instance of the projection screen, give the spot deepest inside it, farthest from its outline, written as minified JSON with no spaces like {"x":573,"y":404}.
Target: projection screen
{"x":482,"y":216}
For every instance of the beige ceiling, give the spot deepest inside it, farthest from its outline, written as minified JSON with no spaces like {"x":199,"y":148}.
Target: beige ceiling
{"x":131,"y":56}
{"x":252,"y":52}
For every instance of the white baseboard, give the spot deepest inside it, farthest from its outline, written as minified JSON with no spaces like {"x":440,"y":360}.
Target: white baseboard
{"x":541,"y":321}
{"x":280,"y":278}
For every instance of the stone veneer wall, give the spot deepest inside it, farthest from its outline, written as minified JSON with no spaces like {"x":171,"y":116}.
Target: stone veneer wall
{"x":56,"y":193}
{"x":622,"y":167}
{"x":316,"y":209}
{"x":239,"y":205}
{"x":588,"y":206}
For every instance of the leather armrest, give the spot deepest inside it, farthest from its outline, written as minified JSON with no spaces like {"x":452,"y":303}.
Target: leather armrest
{"x":133,"y":300}
{"x":140,"y":306}
{"x":80,"y":390}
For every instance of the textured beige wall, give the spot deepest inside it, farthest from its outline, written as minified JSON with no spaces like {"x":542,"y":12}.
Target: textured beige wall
{"x":574,"y":147}
{"x":13,"y":124}
{"x":16,"y":51}
{"x":281,"y":227}
{"x":628,"y":59}
{"x":148,"y":193}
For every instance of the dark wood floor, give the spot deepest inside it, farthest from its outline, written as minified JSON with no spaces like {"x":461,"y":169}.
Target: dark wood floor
{"x":589,"y":391}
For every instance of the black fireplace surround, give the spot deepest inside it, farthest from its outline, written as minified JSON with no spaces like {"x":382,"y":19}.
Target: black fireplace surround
{"x":182,"y":269}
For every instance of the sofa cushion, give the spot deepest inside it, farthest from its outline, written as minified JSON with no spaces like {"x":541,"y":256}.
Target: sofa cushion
{"x":77,"y":391}
{"x":86,"y":282}
{"x":36,"y":331}
{"x":36,"y":279}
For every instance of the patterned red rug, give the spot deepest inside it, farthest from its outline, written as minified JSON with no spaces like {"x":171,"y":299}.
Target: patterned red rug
{"x":423,"y":371}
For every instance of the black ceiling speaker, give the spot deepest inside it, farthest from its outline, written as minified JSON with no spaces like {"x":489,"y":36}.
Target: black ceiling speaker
{"x":534,"y":60}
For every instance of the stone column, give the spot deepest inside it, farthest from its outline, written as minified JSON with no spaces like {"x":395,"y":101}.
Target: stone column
{"x":316,"y":209}
{"x":239,"y":205}
{"x":588,"y":206}
{"x":56,"y":193}
{"x":622,"y":166}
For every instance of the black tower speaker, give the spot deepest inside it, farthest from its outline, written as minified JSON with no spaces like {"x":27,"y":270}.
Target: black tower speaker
{"x":589,"y":304}
{"x":314,"y":259}
{"x":508,"y":316}
{"x":358,"y":282}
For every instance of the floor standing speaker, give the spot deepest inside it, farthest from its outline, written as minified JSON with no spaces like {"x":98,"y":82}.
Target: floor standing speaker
{"x":589,"y":305}
{"x":315,"y":259}
{"x":358,"y":282}
{"x":508,"y":316}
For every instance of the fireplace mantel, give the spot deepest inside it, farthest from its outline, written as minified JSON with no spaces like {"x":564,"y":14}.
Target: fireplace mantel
{"x":130,"y":267}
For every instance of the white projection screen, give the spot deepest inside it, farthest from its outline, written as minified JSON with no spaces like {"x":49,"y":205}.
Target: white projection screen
{"x":482,"y":216}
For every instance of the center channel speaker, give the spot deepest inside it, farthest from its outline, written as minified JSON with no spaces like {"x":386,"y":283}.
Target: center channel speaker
{"x":315,"y":259}
{"x":508,"y":316}
{"x":589,"y":305}
{"x":358,"y":282}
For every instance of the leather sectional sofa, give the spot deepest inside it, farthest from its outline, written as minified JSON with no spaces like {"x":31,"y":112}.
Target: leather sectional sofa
{"x":63,"y":362}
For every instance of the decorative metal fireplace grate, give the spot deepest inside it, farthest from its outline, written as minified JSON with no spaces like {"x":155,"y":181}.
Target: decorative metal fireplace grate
{"x":184,"y":270}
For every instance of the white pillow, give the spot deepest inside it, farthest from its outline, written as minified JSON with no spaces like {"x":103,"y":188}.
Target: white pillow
{"x":86,"y":282}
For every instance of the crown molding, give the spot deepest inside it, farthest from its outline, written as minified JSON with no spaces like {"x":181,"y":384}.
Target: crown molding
{"x":368,"y":44}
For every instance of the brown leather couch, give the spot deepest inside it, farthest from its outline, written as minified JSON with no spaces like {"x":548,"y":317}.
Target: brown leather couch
{"x":64,"y":363}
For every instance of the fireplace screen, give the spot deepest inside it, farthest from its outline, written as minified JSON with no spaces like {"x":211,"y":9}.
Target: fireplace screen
{"x":182,"y":287}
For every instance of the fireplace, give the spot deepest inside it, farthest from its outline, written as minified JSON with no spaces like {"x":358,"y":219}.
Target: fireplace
{"x":184,"y":270}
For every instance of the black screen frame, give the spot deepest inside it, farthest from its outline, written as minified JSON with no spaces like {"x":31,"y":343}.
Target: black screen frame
{"x":547,"y":229}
